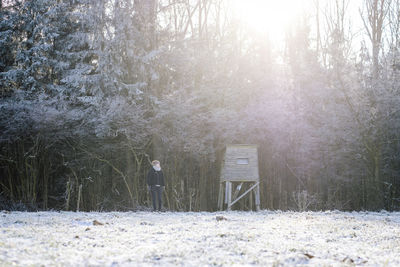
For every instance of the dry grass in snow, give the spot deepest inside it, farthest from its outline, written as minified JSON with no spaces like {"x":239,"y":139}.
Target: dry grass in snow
{"x":200,"y":239}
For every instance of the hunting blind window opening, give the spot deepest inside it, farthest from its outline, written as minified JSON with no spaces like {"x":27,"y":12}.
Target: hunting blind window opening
{"x":242,"y":161}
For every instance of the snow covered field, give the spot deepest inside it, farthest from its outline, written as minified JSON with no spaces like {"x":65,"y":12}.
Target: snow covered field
{"x":197,"y":239}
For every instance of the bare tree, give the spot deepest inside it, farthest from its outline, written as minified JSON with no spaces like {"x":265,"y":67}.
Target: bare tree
{"x":394,"y":23}
{"x":373,"y":18}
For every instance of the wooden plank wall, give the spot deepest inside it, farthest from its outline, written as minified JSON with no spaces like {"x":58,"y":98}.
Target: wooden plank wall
{"x":231,"y":171}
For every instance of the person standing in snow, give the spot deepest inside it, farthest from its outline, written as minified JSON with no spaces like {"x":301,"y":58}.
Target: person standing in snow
{"x":155,"y":183}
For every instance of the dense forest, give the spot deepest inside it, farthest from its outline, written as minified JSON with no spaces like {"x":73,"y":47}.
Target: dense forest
{"x":92,"y":90}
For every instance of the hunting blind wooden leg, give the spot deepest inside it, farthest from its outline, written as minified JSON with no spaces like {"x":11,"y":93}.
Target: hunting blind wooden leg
{"x":220,"y":196}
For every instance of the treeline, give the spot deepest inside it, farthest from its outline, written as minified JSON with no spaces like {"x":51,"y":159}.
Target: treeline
{"x":93,"y":90}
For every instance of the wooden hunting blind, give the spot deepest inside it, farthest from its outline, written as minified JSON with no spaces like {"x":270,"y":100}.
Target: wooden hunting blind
{"x":239,"y":165}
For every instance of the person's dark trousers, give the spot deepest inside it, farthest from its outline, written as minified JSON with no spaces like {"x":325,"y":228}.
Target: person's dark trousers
{"x":156,"y":196}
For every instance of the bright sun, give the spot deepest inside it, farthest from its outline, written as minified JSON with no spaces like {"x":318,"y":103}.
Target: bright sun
{"x":268,"y":16}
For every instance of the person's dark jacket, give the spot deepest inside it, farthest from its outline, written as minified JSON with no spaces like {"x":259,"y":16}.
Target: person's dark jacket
{"x":155,"y":177}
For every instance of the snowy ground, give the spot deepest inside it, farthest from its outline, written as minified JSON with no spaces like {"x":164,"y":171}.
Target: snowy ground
{"x":198,"y":239}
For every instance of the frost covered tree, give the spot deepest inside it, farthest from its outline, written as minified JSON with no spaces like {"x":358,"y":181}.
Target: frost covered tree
{"x":60,"y":88}
{"x":93,"y":90}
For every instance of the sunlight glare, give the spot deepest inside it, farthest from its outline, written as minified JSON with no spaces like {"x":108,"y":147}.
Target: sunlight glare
{"x":271,"y":17}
